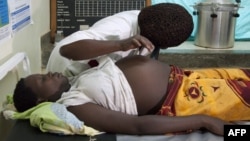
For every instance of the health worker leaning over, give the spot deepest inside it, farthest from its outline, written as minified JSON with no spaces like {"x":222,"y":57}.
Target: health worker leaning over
{"x":151,"y":27}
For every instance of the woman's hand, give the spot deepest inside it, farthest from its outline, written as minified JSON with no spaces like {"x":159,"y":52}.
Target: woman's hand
{"x":214,"y":125}
{"x":136,"y":41}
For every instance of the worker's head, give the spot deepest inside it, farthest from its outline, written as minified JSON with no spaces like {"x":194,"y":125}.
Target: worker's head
{"x":165,"y":24}
{"x":38,"y":88}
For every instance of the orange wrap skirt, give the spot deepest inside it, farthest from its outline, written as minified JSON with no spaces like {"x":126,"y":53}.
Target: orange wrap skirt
{"x":218,"y":92}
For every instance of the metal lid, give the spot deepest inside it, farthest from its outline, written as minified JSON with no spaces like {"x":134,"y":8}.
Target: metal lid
{"x":220,"y":1}
{"x":218,"y":5}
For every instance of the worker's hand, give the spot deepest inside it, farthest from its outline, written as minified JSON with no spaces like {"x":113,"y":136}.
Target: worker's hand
{"x":136,"y":41}
{"x":215,"y":125}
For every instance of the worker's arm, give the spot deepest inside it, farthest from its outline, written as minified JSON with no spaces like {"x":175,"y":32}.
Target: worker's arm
{"x":87,"y":48}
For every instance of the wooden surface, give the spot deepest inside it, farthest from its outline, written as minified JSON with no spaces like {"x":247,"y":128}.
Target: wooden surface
{"x":148,"y":2}
{"x":52,"y":20}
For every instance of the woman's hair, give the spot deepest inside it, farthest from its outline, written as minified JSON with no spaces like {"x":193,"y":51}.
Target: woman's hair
{"x":165,"y":24}
{"x":23,"y":97}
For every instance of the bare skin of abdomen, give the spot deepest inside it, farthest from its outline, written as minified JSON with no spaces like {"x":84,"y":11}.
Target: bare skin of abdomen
{"x":148,"y":79}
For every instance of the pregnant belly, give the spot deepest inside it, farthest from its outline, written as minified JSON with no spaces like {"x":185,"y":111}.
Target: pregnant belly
{"x":148,"y":80}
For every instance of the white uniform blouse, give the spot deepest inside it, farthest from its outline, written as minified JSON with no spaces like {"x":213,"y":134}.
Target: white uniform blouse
{"x":116,"y":27}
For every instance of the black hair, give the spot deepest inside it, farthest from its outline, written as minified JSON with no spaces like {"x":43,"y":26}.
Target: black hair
{"x":165,"y":24}
{"x":24,"y":98}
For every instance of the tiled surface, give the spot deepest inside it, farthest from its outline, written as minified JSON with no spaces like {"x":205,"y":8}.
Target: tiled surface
{"x":190,"y":56}
{"x":189,"y":47}
{"x":46,"y":47}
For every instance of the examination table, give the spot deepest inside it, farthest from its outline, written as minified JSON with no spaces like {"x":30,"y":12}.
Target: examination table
{"x":21,"y":130}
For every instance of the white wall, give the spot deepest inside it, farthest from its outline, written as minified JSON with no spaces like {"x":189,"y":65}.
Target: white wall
{"x":27,"y":40}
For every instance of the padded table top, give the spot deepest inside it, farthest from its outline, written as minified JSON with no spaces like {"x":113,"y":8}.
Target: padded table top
{"x":22,"y":130}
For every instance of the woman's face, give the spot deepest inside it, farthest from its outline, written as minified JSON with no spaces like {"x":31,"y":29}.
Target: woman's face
{"x":47,"y":87}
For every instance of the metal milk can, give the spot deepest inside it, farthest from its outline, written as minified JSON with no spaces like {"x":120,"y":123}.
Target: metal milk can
{"x":216,"y":20}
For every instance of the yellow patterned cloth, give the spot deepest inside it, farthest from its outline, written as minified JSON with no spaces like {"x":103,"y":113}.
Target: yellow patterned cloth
{"x":219,"y":92}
